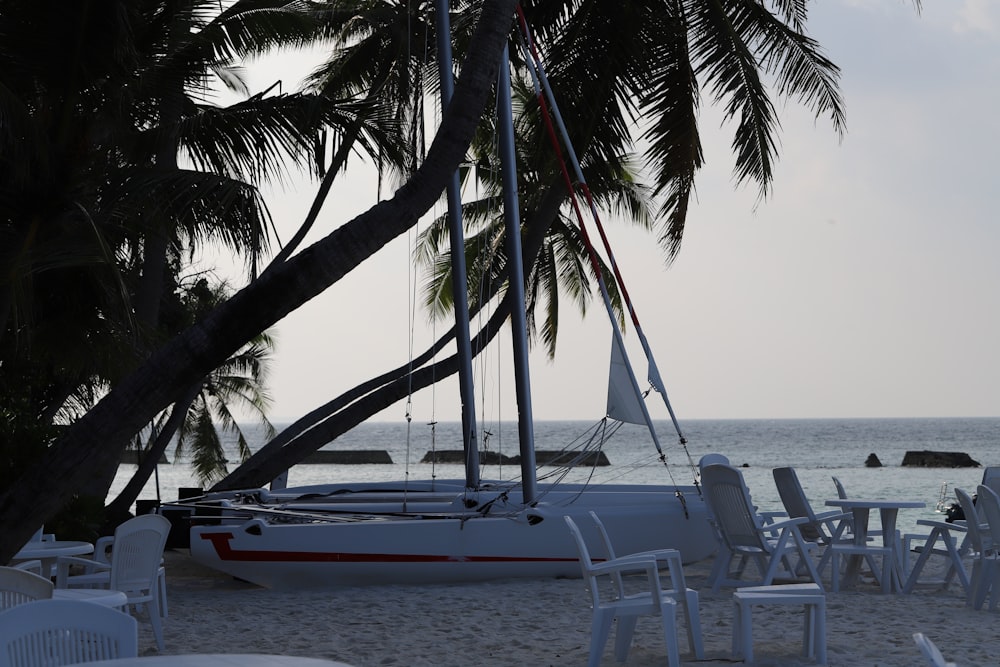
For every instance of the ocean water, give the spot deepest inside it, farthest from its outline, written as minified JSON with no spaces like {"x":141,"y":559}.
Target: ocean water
{"x":818,"y":449}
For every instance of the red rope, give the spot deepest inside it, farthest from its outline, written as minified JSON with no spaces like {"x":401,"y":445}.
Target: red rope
{"x":554,"y":140}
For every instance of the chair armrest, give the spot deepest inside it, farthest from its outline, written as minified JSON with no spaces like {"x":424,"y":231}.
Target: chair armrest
{"x":102,"y":549}
{"x":63,"y":564}
{"x":29,"y":566}
{"x":633,"y":563}
{"x":944,"y":525}
{"x":669,"y":558}
{"x":779,"y":525}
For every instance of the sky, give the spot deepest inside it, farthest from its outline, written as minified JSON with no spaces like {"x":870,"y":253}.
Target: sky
{"x":867,"y":284}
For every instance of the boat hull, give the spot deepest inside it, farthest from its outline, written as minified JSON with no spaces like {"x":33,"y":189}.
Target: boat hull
{"x":438,"y":547}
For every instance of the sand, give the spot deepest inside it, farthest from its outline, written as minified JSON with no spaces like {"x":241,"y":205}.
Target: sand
{"x":542,"y":623}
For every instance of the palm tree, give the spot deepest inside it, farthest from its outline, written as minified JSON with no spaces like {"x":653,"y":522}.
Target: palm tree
{"x":614,"y":63}
{"x":98,"y":216}
{"x":94,"y":443}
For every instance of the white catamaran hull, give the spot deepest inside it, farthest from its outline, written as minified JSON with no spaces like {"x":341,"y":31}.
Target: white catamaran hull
{"x":275,"y":549}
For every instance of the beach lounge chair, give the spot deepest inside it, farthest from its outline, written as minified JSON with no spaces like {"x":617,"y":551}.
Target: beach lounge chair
{"x":984,"y":555}
{"x":626,"y":610}
{"x":18,"y":586}
{"x":745,"y":533}
{"x":991,"y":478}
{"x":948,"y":540}
{"x":65,"y":632}
{"x":136,"y":560}
{"x":669,"y":559}
{"x":988,"y":505}
{"x":931,"y":651}
{"x":822,"y":528}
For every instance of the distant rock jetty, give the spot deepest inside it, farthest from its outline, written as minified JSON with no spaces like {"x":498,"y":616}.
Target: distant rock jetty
{"x":350,"y":457}
{"x":131,"y":457}
{"x":929,"y":459}
{"x":544,"y":457}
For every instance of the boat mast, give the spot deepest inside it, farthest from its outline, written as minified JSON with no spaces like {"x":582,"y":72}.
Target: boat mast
{"x":515,"y":283}
{"x":458,"y":274}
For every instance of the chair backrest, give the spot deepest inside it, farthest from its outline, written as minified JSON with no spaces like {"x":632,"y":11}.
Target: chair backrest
{"x":991,"y":478}
{"x":735,"y":514}
{"x":677,"y":581}
{"x":711,"y":459}
{"x":930,"y":651}
{"x":19,"y":586}
{"x":841,"y":492}
{"x":795,"y":502}
{"x":65,"y":632}
{"x":137,"y":552}
{"x":989,"y":502}
{"x":586,"y":563}
{"x":972,"y":519}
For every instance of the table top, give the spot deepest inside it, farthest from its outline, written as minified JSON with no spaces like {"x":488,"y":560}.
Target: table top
{"x":101,"y":596}
{"x":53,"y":549}
{"x":217,"y":660}
{"x":851,"y":503}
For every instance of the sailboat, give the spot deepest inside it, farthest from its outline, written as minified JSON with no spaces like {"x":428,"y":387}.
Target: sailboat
{"x":456,"y":530}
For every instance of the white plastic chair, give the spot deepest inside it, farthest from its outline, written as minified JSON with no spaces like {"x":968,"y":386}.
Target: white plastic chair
{"x":823,"y":527}
{"x":136,"y":557}
{"x":930,"y":651}
{"x":991,"y":477}
{"x":52,"y":633}
{"x":18,"y":586}
{"x":102,"y":553}
{"x":984,"y":556}
{"x":608,"y":608}
{"x":745,"y":534}
{"x":670,"y":559}
{"x":943,"y":540}
{"x":989,"y":502}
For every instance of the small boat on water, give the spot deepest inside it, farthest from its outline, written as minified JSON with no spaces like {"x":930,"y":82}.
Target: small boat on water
{"x":458,"y":530}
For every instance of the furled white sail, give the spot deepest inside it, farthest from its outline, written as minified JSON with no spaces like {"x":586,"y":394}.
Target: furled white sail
{"x":624,"y":404}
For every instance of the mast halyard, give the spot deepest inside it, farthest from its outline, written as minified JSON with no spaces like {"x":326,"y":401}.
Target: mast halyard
{"x":458,"y":273}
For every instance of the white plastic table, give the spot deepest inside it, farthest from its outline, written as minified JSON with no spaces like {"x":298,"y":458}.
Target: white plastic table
{"x":888,"y":510}
{"x":48,"y":551}
{"x":217,"y":660}
{"x":101,"y":596}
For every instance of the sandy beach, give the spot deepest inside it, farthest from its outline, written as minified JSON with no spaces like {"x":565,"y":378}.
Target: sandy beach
{"x":541,"y":622}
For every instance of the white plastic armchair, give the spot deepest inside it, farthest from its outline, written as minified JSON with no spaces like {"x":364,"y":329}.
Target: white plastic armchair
{"x":670,"y":560}
{"x":824,"y":527}
{"x":19,"y":586}
{"x":65,"y":632}
{"x":984,"y":555}
{"x":989,"y":502}
{"x":609,"y":606}
{"x":745,"y":534}
{"x":136,"y":562}
{"x":102,"y":553}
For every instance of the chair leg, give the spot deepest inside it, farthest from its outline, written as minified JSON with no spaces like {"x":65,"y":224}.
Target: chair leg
{"x":600,"y":629}
{"x":691,"y":606}
{"x":668,"y":616}
{"x":623,"y":636}
{"x":153,"y":610}
{"x":161,"y":601}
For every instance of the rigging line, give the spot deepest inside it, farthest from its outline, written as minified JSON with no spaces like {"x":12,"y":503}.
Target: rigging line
{"x":537,"y":69}
{"x":591,"y":252}
{"x":537,"y":73}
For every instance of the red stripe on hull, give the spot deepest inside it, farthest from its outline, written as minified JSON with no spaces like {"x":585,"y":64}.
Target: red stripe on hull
{"x":226,"y":553}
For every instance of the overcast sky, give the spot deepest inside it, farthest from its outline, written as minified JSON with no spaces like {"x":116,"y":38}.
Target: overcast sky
{"x":865,"y":286}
